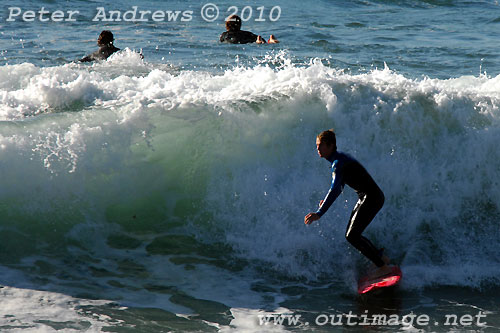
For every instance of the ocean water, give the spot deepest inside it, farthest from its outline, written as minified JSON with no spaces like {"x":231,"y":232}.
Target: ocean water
{"x":167,"y":194}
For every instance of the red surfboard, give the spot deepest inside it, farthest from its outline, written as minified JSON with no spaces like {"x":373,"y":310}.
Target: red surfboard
{"x":390,"y":279}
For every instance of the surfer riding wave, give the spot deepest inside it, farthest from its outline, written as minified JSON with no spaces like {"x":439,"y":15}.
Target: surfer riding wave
{"x":347,"y":170}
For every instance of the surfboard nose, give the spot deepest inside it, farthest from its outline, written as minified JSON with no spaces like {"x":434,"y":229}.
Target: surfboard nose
{"x":365,"y":284}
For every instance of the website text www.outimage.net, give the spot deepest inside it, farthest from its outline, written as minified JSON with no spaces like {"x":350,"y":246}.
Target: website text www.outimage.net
{"x":366,"y":319}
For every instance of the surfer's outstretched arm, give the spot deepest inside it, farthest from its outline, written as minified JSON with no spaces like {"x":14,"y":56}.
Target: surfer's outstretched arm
{"x":333,"y":193}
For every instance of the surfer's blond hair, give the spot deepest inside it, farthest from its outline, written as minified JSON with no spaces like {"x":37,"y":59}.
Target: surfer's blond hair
{"x":328,"y":137}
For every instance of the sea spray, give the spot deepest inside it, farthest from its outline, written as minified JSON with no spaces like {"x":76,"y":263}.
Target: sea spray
{"x":230,"y":158}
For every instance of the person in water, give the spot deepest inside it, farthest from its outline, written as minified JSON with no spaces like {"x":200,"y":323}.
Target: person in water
{"x":347,"y":170}
{"x":235,"y":35}
{"x":106,"y":47}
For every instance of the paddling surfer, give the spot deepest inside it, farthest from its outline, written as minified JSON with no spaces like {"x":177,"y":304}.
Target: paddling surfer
{"x":234,"y":34}
{"x":347,"y":170}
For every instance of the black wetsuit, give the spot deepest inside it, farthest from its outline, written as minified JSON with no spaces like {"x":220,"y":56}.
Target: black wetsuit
{"x":102,"y":54}
{"x":238,"y":37}
{"x":346,"y":170}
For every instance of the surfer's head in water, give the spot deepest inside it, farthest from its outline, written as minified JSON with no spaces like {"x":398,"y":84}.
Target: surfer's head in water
{"x":326,"y":143}
{"x":105,"y":38}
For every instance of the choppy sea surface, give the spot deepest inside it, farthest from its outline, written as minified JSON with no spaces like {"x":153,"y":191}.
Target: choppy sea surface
{"x":167,"y":194}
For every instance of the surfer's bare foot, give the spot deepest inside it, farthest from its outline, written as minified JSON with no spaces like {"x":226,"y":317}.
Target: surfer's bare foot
{"x":380,"y":271}
{"x":386,"y":261}
{"x":273,"y":40}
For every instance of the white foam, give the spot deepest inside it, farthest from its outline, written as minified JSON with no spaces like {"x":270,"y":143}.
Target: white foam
{"x":431,"y":144}
{"x":250,"y":321}
{"x":29,"y":310}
